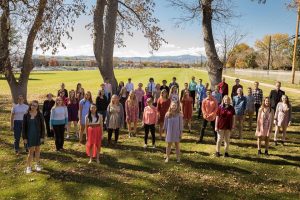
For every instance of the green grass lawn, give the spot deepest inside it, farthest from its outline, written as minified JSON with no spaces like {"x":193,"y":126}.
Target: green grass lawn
{"x":128,"y":172}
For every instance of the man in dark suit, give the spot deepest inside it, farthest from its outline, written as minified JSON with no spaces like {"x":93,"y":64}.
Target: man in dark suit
{"x":275,"y":95}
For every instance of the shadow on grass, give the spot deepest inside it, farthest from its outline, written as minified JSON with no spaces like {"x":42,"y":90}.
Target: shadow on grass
{"x":288,"y":157}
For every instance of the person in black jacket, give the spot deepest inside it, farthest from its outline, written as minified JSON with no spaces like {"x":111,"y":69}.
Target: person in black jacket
{"x":33,"y":134}
{"x":62,"y":89}
{"x":47,"y":106}
{"x":275,"y":95}
{"x":101,"y":104}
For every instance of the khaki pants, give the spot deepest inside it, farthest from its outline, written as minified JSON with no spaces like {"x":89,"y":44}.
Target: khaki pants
{"x":223,"y":134}
{"x":250,"y":119}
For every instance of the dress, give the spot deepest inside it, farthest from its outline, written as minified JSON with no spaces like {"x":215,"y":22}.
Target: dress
{"x":94,"y":136}
{"x":85,"y":109}
{"x":174,"y":97}
{"x":114,"y":116}
{"x":264,"y":123}
{"x":33,"y":135}
{"x":73,"y":111}
{"x":173,"y":126}
{"x":132,"y":112}
{"x":187,"y":108}
{"x":283,"y":114}
{"x":162,"y":108}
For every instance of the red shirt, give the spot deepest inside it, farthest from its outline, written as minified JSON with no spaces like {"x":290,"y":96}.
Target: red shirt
{"x":225,"y":116}
{"x":223,"y":88}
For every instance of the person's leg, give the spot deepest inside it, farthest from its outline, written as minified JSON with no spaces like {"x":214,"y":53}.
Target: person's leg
{"x":30,"y":156}
{"x":259,"y":145}
{"x":75,"y":127}
{"x":238,"y":123}
{"x":91,"y":154}
{"x":219,"y":140}
{"x":116,"y":135}
{"x":135,"y":128}
{"x":17,"y":135}
{"x":213,"y":123}
{"x":82,"y":127}
{"x":160,"y":130}
{"x":37,"y":154}
{"x":110,"y":131}
{"x":129,"y":128}
{"x":204,"y":124}
{"x":152,"y":130}
{"x":276,"y":134}
{"x":146,"y":126}
{"x":69,"y":128}
{"x":227,"y":140}
{"x":177,"y":151}
{"x":283,"y":133}
{"x":47,"y":123}
{"x":250,"y":120}
{"x":266,"y":145}
{"x":168,"y":151}
{"x":56,"y":136}
{"x":62,"y":136}
{"x":241,"y":126}
{"x":257,"y":106}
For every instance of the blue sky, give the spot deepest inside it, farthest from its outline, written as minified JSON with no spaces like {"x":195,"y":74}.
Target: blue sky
{"x":256,"y":20}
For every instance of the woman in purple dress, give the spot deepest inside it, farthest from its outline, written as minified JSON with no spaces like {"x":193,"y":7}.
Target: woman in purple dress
{"x":73,"y":108}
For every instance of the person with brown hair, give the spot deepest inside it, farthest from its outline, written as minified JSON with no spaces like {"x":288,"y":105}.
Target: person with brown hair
{"x":33,"y":134}
{"x":73,"y":108}
{"x":187,"y":109}
{"x":47,"y":106}
{"x":132,"y":113}
{"x":84,"y":106}
{"x":149,"y":121}
{"x":163,"y":104}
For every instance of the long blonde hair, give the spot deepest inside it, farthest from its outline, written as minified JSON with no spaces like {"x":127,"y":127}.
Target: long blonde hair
{"x":113,"y":97}
{"x":172,"y":113}
{"x":132,"y":101}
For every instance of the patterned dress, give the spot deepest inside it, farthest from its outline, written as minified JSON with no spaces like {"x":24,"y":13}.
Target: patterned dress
{"x":173,"y":126}
{"x":283,"y":114}
{"x":264,"y":123}
{"x":132,"y":111}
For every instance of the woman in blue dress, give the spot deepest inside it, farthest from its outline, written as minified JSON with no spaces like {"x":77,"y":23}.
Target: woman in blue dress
{"x":84,"y":106}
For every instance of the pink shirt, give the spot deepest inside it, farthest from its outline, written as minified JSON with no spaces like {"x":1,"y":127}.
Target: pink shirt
{"x":150,"y":115}
{"x":139,"y":93}
{"x":209,"y":108}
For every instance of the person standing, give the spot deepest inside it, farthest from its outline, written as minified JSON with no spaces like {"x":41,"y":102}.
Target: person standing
{"x":192,"y":89}
{"x":283,"y":117}
{"x":235,"y":88}
{"x":79,"y":93}
{"x":225,"y":122}
{"x":33,"y":134}
{"x":107,"y":89}
{"x":174,"y":83}
{"x":250,"y":107}
{"x":258,"y":97}
{"x":163,"y":104}
{"x":47,"y":106}
{"x":151,"y":86}
{"x":139,"y":93}
{"x":187,"y":109}
{"x":59,"y":122}
{"x":132,"y":113}
{"x":73,"y":108}
{"x":84,"y":106}
{"x":186,"y":88}
{"x":209,"y":110}
{"x":275,"y":95}
{"x":164,"y":86}
{"x":16,"y":121}
{"x":239,"y":103}
{"x":64,"y":97}
{"x":149,"y":121}
{"x":123,"y":97}
{"x":146,"y":96}
{"x":94,"y":129}
{"x":156,"y":94}
{"x":217,"y":95}
{"x":129,"y":86}
{"x":101,"y":104}
{"x":223,"y":87}
{"x":114,"y":118}
{"x":201,"y":95}
{"x":264,"y":125}
{"x":174,"y":94}
{"x":62,"y":88}
{"x":173,"y":126}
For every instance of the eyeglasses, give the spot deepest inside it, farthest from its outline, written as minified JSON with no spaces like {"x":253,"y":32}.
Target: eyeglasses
{"x":34,"y":105}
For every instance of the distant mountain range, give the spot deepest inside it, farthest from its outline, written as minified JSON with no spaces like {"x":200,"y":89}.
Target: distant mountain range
{"x":183,"y":59}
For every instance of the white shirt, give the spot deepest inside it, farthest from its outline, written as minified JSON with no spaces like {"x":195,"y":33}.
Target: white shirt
{"x":129,"y":87}
{"x":151,"y":87}
{"x":19,"y":110}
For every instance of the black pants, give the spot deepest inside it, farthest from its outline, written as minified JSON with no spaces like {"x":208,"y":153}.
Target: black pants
{"x":193,"y":95}
{"x":204,"y":124}
{"x":141,"y":109}
{"x":59,"y":133}
{"x":150,"y":127}
{"x":47,"y":122}
{"x":110,"y":132}
{"x":200,"y":110}
{"x":257,"y":106}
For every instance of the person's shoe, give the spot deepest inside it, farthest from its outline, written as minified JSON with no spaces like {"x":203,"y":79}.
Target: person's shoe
{"x":218,"y":154}
{"x":275,"y":142}
{"x":17,"y":153}
{"x":129,"y":135}
{"x":145,"y":146}
{"x":226,"y":155}
{"x":167,"y":160}
{"x":178,"y":160}
{"x":266,"y":152}
{"x":153,"y":146}
{"x":68,"y":137}
{"x":282,"y":142}
{"x":90,"y":161}
{"x":259,"y":152}
{"x":38,"y":168}
{"x":28,"y":170}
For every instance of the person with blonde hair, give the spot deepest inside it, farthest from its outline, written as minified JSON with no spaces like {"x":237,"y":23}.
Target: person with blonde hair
{"x":225,"y":122}
{"x":59,"y":122}
{"x":283,"y":117}
{"x":33,"y":134}
{"x":264,"y":125}
{"x":174,"y":96}
{"x":114,"y":118}
{"x":173,"y":126}
{"x":132,"y":113}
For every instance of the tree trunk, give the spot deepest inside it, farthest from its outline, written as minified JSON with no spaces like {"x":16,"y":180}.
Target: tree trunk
{"x":107,"y":70}
{"x":214,"y":64}
{"x":20,"y":87}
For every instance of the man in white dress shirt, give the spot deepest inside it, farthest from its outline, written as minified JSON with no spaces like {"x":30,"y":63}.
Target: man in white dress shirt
{"x":129,"y":86}
{"x":151,"y":86}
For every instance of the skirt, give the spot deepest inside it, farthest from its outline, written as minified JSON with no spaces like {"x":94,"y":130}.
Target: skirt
{"x":94,"y":139}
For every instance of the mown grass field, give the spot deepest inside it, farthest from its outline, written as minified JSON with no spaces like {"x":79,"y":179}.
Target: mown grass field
{"x":128,"y":172}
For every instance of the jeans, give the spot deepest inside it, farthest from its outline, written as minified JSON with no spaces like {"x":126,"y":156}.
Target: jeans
{"x":204,"y":124}
{"x":18,"y":124}
{"x":59,"y":133}
{"x":150,"y":127}
{"x":200,"y":109}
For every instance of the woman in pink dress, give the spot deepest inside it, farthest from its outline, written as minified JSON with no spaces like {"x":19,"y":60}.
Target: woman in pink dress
{"x":264,"y":125}
{"x":139,"y":93}
{"x":283,"y":117}
{"x":93,"y":123}
{"x":187,"y":109}
{"x":132,"y":113}
{"x":163,"y":104}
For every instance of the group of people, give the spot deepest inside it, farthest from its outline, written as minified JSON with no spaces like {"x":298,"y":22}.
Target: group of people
{"x":156,"y":104}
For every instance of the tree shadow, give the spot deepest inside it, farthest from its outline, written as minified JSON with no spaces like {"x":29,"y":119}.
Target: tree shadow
{"x":288,"y":157}
{"x":61,"y":157}
{"x":247,"y":145}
